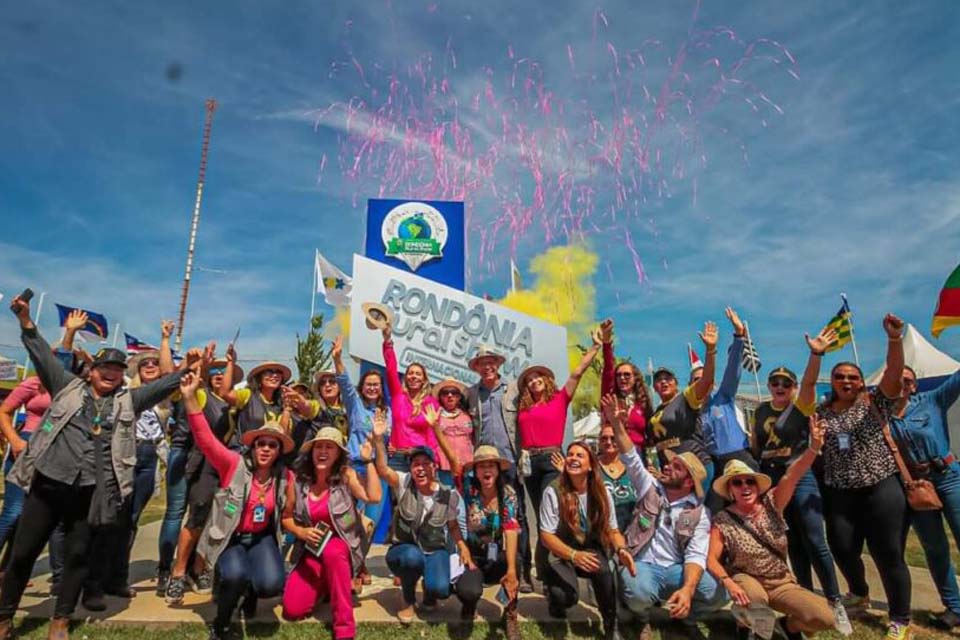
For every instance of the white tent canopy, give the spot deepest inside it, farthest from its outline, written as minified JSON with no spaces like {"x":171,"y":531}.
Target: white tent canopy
{"x":587,"y":427}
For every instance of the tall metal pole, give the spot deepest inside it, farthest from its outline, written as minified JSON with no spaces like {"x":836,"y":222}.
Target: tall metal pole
{"x":211,"y":106}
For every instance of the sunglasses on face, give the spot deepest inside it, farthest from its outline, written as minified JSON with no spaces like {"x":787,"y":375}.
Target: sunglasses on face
{"x":150,"y":363}
{"x":624,"y":374}
{"x":450,"y":392}
{"x":218,"y":371}
{"x":909,"y":381}
{"x":606,"y":438}
{"x":744,"y":482}
{"x":272,"y":372}
{"x":841,"y":377}
{"x":266,"y":444}
{"x":327,"y":381}
{"x":781,"y":384}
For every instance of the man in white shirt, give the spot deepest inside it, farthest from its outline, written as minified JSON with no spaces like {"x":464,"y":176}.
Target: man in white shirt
{"x":668,"y":535}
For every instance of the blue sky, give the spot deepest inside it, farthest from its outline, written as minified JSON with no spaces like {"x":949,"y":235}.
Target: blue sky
{"x":854,"y":187}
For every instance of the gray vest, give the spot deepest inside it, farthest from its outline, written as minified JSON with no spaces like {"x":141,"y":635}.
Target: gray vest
{"x":227,"y":511}
{"x":426,"y":530}
{"x":66,"y":404}
{"x":646,"y":518}
{"x":511,"y":398}
{"x":346,"y":522}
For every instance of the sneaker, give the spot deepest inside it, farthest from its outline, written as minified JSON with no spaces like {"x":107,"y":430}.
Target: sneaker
{"x":213,"y":633}
{"x":203,"y":583}
{"x":406,"y":615}
{"x":945,"y":620}
{"x":898,"y":631}
{"x":176,"y":587}
{"x":840,"y":618}
{"x":163,"y":577}
{"x":854,"y":603}
{"x":526,"y":584}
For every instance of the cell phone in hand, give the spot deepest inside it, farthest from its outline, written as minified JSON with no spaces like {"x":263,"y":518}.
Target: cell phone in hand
{"x":27,"y":295}
{"x":502,"y":596}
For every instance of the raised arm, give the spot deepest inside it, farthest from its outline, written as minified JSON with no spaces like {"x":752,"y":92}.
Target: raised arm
{"x":51,"y":373}
{"x":892,"y":381}
{"x":807,"y":396}
{"x":608,"y":375}
{"x":632,"y":460}
{"x":380,"y":460}
{"x":574,"y":380}
{"x":76,"y":320}
{"x":946,"y":394}
{"x":166,"y":353}
{"x":370,"y":491}
{"x":336,"y":353}
{"x":390,"y":362}
{"x":715,"y":567}
{"x":220,"y":457}
{"x":709,"y":338}
{"x":226,"y":391}
{"x":783,"y":492}
{"x":731,"y":374}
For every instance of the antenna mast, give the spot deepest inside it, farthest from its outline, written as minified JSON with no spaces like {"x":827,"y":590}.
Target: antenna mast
{"x":211,"y":106}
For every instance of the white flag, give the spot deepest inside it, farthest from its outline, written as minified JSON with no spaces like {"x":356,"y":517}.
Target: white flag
{"x":335,"y":285}
{"x":515,"y":282}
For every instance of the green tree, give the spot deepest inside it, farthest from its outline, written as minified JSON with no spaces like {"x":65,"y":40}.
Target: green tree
{"x":313,"y":352}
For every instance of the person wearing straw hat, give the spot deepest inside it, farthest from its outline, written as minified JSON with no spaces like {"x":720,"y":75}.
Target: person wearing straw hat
{"x":424,"y":520}
{"x":262,"y":399}
{"x":492,"y":403}
{"x":202,"y":484}
{"x":748,"y":545}
{"x":77,"y":468}
{"x":241,"y":537}
{"x":322,"y":513}
{"x":456,"y":427}
{"x":780,"y":432}
{"x":492,"y":531}
{"x":668,"y":535}
{"x":541,"y":423}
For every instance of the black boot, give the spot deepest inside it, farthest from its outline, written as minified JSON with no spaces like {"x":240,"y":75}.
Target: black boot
{"x":93,"y":600}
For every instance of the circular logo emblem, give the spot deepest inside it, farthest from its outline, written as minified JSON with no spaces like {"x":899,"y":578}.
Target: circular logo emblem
{"x":414,"y":232}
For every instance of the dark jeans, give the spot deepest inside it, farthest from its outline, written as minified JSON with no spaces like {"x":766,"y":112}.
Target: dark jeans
{"x":878,"y":515}
{"x":12,"y":499}
{"x":525,"y":559}
{"x":48,"y":503}
{"x":930,"y":530}
{"x":248,"y":562}
{"x":542,"y":473}
{"x":806,"y":539}
{"x":409,"y":563}
{"x":176,"y":506}
{"x":563,"y":591}
{"x":469,"y":586}
{"x":144,"y":481}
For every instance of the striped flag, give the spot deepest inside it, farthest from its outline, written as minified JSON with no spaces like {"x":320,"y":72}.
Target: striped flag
{"x":750,"y":359}
{"x":842,"y":323}
{"x":135,"y":345}
{"x":695,"y":362}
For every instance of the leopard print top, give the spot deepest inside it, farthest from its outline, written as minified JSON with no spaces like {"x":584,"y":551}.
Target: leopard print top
{"x":743,"y":554}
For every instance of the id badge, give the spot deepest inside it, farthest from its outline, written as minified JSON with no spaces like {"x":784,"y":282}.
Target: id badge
{"x":843,"y":440}
{"x":259,"y":514}
{"x":492,"y":551}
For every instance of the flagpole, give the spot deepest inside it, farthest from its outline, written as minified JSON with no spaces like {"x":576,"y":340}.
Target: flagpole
{"x":314,"y":285}
{"x":756,"y":377}
{"x":116,"y":334}
{"x":36,"y":321}
{"x":853,"y":338}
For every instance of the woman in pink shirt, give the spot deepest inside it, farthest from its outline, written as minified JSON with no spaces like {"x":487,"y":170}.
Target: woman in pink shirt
{"x":626,"y":381}
{"x":30,"y":395}
{"x":241,"y":537}
{"x":408,"y":401}
{"x":541,"y":421}
{"x":457,"y":428}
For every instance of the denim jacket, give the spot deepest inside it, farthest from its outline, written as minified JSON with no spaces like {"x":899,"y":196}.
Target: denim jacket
{"x":922,"y":431}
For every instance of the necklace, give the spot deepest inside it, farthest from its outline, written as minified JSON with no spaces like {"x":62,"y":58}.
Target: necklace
{"x":95,"y":429}
{"x":262,"y":490}
{"x":612,"y":468}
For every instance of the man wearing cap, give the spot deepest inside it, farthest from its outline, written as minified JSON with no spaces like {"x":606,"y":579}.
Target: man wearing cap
{"x":492,"y":403}
{"x":78,"y":467}
{"x":669,"y":534}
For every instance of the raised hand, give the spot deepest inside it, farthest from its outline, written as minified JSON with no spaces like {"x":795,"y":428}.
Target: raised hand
{"x":366,"y":450}
{"x":231,"y":353}
{"x":189,"y":382}
{"x":379,"y":423}
{"x":337,"y":352}
{"x":893,"y":326}
{"x":556,"y":459}
{"x":432,"y":415}
{"x":209,"y":353}
{"x":606,"y":331}
{"x":76,"y":320}
{"x":612,"y":410}
{"x":816,"y":434}
{"x":709,"y":335}
{"x":166,"y":328}
{"x":823,"y":340}
{"x":21,"y":309}
{"x":738,"y":328}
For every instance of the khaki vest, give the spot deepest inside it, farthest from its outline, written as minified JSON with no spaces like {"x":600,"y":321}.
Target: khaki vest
{"x":646,"y":518}
{"x":346,"y":522}
{"x":431,"y":532}
{"x":66,"y":404}
{"x":227,"y":511}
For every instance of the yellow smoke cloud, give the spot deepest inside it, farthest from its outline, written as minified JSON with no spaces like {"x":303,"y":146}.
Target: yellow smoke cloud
{"x":563,"y":293}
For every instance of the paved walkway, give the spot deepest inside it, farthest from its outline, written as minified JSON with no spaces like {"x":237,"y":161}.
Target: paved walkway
{"x":378,"y":603}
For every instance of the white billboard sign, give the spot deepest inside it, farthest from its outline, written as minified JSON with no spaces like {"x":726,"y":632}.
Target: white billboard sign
{"x":442,"y":327}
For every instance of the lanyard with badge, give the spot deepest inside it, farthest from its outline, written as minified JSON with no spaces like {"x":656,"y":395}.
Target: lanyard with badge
{"x":260,"y":511}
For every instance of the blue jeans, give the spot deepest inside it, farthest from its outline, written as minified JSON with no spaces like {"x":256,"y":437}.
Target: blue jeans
{"x":144,"y":475}
{"x":409,"y":563}
{"x":176,"y":505}
{"x":248,"y":563}
{"x":654,"y":585}
{"x":807,"y":540}
{"x":12,"y":500}
{"x":929,"y":528}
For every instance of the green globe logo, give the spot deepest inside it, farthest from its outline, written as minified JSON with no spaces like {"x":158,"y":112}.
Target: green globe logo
{"x":414,"y":228}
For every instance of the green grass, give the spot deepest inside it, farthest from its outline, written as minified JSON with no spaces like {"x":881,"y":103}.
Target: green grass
{"x":914,"y":551}
{"x":870,"y":629}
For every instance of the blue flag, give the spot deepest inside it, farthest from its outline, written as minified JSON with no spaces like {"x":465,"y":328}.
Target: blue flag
{"x":96,"y":327}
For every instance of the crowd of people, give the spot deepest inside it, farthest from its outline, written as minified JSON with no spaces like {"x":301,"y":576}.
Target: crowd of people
{"x":274,"y":489}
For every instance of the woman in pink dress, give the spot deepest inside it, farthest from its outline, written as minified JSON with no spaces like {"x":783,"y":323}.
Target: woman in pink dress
{"x":457,"y":429}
